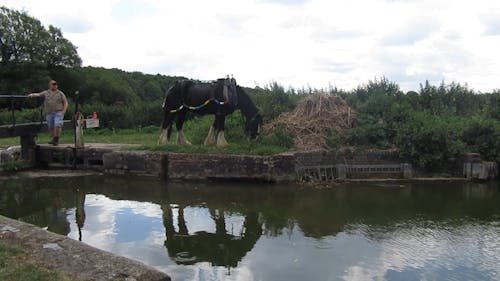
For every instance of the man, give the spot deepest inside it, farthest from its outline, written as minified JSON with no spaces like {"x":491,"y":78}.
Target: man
{"x":55,"y":106}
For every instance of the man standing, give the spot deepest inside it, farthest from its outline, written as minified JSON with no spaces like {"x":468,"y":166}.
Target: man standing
{"x":55,"y":106}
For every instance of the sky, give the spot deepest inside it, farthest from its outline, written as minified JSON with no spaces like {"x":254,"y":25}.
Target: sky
{"x":298,"y":43}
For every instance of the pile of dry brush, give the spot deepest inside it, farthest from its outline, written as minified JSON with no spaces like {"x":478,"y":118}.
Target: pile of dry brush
{"x":315,"y":118}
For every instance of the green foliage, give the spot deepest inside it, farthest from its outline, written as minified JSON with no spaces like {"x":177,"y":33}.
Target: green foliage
{"x":28,"y":51}
{"x":280,"y":137}
{"x":370,"y":132}
{"x":493,"y":105}
{"x":12,"y":165}
{"x":334,"y":141}
{"x":273,"y":99}
{"x":430,"y":140}
{"x":483,"y":136}
{"x":454,"y":98}
{"x":430,"y":127}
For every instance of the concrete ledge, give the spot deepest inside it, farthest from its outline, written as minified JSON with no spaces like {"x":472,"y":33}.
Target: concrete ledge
{"x":299,"y":166}
{"x":72,"y":258}
{"x":143,"y":163}
{"x":206,"y":166}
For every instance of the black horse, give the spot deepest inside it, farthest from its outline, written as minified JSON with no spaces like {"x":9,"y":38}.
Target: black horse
{"x":219,"y":98}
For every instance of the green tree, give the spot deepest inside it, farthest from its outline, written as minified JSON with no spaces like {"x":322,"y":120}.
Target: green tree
{"x":28,"y":51}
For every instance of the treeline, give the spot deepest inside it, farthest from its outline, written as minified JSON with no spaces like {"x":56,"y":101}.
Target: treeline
{"x":431,"y":127}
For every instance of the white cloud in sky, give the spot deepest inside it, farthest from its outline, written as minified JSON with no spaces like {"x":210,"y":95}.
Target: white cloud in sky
{"x":295,"y":42}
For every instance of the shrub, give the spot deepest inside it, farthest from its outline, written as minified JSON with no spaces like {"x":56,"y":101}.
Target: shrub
{"x":280,"y":137}
{"x":429,"y":140}
{"x":370,"y":132}
{"x":483,"y":136}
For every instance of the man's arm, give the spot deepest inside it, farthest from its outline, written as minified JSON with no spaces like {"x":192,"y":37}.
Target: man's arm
{"x":34,"y":95}
{"x":65,"y":106}
{"x":64,"y":103}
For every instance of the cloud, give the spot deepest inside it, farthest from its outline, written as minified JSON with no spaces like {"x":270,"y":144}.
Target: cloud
{"x":492,"y":24}
{"x":412,"y":32}
{"x":126,"y":10}
{"x":296,"y":43}
{"x":334,"y":66}
{"x":73,"y":25}
{"x":287,"y":2}
{"x":333,"y":33}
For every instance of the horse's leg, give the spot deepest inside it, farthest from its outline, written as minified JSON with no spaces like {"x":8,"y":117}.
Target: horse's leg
{"x":166,"y":128}
{"x":220,"y":119}
{"x":210,"y":139}
{"x":181,"y":139}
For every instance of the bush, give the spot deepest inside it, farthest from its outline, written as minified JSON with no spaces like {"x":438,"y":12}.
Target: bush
{"x":431,"y":141}
{"x":280,"y":137}
{"x":483,"y":136}
{"x":370,"y":132}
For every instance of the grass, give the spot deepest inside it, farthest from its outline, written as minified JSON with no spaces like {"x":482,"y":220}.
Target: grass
{"x":14,"y":267}
{"x":234,"y":148}
{"x":195,"y":130}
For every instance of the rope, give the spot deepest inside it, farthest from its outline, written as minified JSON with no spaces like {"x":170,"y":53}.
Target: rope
{"x":199,"y":106}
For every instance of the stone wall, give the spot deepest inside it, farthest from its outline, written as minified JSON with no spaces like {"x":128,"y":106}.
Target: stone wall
{"x":230,"y":167}
{"x":140,"y":163}
{"x":300,"y":166}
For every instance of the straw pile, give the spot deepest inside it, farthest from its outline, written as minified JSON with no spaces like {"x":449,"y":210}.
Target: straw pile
{"x":314,"y":119}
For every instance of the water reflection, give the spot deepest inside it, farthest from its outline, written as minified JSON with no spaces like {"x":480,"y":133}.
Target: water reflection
{"x":220,"y":248}
{"x":244,"y":232}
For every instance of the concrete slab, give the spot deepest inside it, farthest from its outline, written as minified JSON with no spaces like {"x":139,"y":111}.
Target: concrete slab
{"x":72,"y":258}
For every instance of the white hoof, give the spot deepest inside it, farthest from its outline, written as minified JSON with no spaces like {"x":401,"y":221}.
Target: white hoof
{"x":221,"y":140}
{"x":181,"y":139}
{"x":164,"y":137}
{"x":210,"y":139}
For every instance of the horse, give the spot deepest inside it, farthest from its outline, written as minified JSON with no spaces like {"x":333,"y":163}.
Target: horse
{"x":220,"y":98}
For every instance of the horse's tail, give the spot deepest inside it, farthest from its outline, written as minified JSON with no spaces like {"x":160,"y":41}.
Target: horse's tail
{"x":164,"y":105}
{"x":168,"y":93}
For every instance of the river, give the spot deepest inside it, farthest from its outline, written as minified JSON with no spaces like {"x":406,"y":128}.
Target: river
{"x":242,"y":231}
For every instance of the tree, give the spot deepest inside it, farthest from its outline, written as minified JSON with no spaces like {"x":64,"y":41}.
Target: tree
{"x":28,"y":51}
{"x":63,"y":52}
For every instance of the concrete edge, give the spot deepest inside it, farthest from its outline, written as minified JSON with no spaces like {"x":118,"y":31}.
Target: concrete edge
{"x":73,"y":258}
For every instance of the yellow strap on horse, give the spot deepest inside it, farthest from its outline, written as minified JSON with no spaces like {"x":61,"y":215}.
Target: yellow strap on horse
{"x":190,"y":107}
{"x":176,"y":110}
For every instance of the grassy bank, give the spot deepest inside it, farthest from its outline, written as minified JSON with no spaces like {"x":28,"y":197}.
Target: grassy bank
{"x":195,"y":130}
{"x":15,"y":265}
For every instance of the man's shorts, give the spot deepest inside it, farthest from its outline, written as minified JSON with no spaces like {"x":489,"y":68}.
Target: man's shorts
{"x":54,"y":119}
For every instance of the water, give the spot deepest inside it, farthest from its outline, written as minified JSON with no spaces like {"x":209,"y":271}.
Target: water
{"x":426,"y":231}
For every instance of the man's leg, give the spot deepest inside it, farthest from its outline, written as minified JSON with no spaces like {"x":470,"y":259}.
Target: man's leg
{"x":56,"y":122}
{"x":56,"y":132}
{"x":50,"y":124}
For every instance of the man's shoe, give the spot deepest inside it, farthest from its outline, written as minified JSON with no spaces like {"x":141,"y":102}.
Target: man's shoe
{"x":54,"y":141}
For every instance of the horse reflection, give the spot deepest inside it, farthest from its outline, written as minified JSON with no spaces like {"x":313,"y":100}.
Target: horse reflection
{"x":219,"y":248}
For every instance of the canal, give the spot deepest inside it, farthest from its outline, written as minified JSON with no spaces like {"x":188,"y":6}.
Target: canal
{"x":242,"y":231}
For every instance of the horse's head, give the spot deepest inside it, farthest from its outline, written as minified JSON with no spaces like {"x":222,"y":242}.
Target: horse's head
{"x":252,"y":126}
